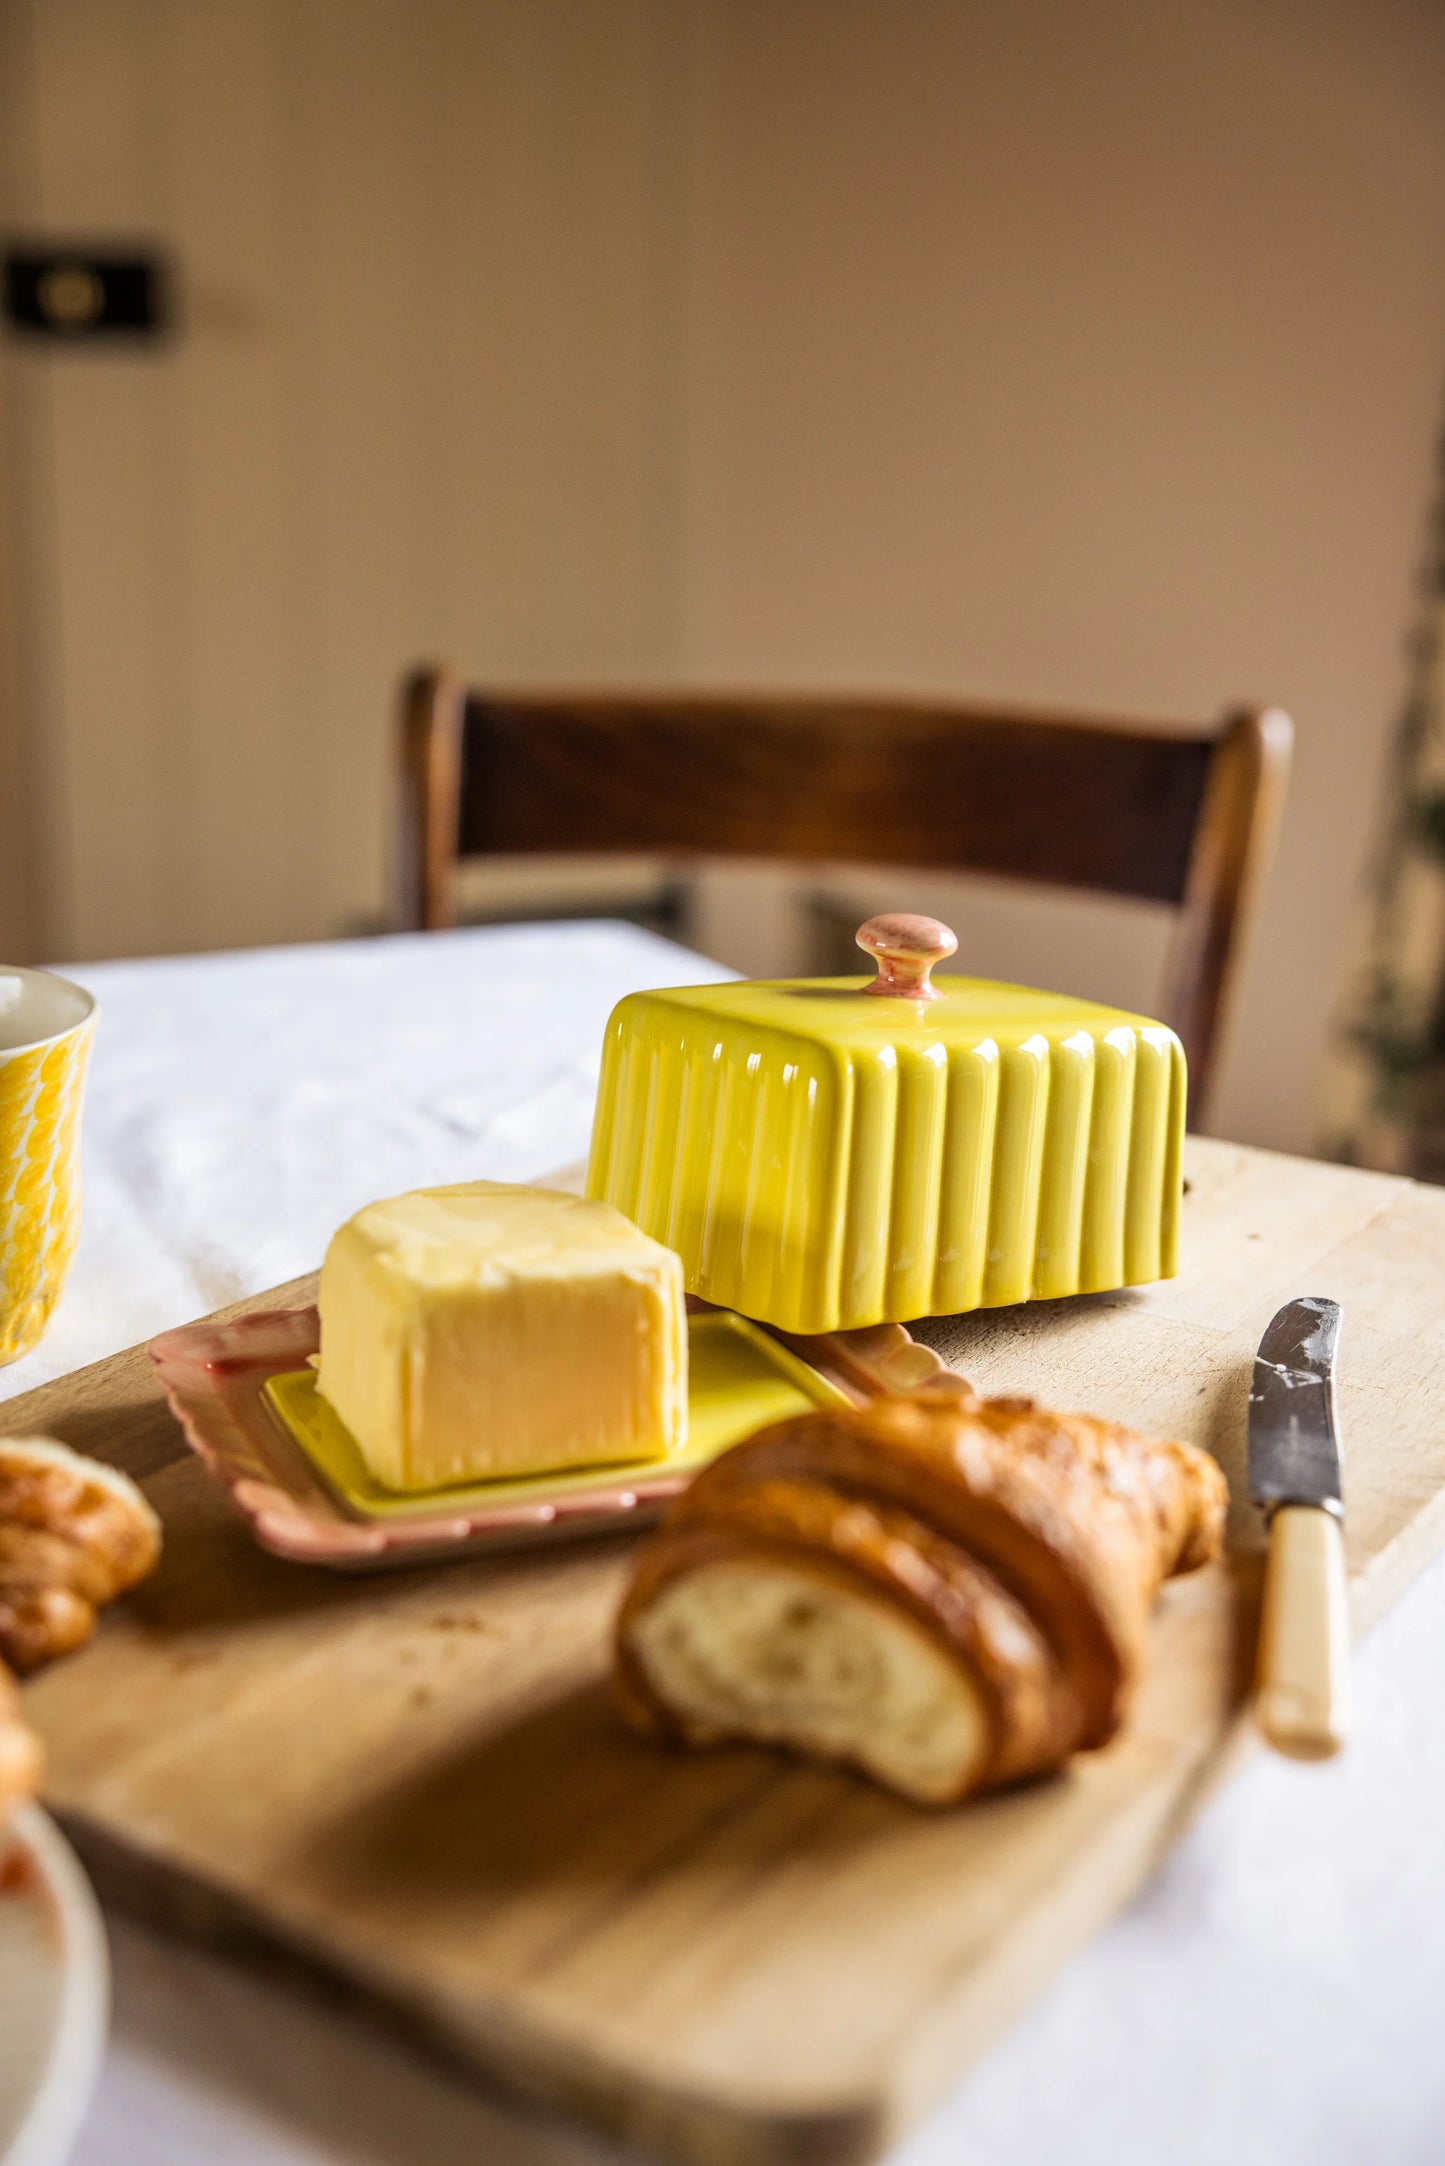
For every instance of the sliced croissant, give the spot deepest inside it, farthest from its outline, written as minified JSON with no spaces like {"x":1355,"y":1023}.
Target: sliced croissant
{"x":73,"y":1535}
{"x":949,"y":1593}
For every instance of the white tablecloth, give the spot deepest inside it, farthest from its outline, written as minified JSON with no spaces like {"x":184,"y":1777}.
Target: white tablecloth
{"x":1275,"y":1994}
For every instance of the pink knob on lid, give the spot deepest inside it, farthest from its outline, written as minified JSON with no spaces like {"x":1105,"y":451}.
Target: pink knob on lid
{"x":907,"y":947}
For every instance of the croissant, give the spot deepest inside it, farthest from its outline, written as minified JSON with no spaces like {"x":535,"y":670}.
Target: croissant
{"x":946,"y":1592}
{"x":73,"y":1534}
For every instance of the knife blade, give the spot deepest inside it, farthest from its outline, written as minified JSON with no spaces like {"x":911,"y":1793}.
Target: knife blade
{"x":1302,"y":1677}
{"x":1294,"y":1453}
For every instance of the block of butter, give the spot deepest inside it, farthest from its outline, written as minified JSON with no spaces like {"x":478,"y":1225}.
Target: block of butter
{"x":488,"y":1330}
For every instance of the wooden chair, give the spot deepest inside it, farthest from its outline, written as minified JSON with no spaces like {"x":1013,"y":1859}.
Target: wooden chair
{"x":1118,"y":807}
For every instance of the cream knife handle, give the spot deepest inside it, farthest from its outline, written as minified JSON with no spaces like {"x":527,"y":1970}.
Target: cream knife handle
{"x":1303,"y":1680}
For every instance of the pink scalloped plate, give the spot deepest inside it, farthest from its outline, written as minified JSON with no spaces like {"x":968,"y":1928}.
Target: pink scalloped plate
{"x":215,"y":1375}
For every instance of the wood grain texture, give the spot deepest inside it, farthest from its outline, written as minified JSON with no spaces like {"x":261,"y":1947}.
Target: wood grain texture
{"x":1154,"y":813}
{"x":884,"y":781}
{"x":417,"y":1787}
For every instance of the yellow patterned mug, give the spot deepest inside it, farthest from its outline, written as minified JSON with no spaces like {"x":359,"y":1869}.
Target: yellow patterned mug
{"x":45,"y":1031}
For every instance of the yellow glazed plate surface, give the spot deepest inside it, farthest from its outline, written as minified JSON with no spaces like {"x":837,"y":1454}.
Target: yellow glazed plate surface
{"x":739,"y":1379}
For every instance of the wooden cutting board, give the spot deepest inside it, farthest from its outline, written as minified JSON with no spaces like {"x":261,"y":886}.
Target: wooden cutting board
{"x":416,"y":1785}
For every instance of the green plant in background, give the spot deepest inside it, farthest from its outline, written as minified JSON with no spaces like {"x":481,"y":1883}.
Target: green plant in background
{"x":1427,"y":823}
{"x":1393,"y":1038}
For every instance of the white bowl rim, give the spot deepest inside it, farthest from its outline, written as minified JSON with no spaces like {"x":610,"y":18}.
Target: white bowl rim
{"x":76,"y":2049}
{"x":34,"y":977}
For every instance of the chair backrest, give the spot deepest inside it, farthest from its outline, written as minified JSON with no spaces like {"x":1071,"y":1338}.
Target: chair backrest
{"x":1176,"y":816}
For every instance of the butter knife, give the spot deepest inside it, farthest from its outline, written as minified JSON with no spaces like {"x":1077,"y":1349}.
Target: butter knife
{"x":1302,"y":1678}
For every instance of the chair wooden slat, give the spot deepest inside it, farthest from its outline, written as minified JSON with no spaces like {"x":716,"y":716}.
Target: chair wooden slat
{"x":1172,"y":815}
{"x":1035,"y":800}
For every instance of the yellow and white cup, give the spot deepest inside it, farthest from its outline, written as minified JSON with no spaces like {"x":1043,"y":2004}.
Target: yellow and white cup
{"x":46,"y":1024}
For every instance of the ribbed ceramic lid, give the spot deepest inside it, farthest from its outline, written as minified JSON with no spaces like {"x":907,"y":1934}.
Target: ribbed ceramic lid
{"x":827,"y":1153}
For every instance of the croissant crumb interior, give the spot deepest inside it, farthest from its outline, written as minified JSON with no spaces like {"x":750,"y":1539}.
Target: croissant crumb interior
{"x":775,"y":1652}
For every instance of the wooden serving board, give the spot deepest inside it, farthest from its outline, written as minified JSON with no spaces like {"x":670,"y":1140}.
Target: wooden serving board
{"x":416,"y":1785}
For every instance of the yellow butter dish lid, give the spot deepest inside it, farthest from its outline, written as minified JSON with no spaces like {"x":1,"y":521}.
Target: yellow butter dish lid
{"x":739,"y":1380}
{"x":830,"y":1153}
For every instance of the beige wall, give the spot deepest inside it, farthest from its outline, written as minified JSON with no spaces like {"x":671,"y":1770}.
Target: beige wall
{"x":17,"y":930}
{"x":1089,"y":352}
{"x":1084,"y":351}
{"x":423,"y":401}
